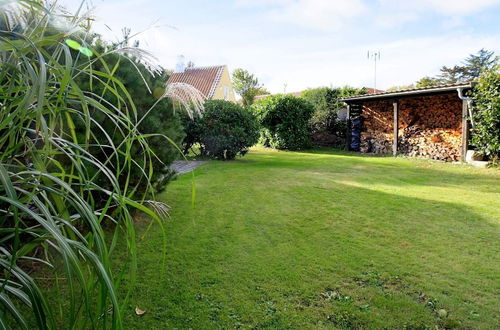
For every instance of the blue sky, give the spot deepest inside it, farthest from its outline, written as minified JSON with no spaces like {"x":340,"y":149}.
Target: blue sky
{"x":297,"y":44}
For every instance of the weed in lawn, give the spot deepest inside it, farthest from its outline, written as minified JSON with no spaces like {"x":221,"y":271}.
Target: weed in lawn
{"x":417,"y":326}
{"x":208,"y":283}
{"x":365,"y":307}
{"x":269,"y":307}
{"x":346,"y":320}
{"x":335,"y":295}
{"x":275,"y":322}
{"x":303,"y":303}
{"x":215,"y":310}
{"x":236,"y":319}
{"x":370,"y":278}
{"x":392,"y":283}
{"x":429,"y":302}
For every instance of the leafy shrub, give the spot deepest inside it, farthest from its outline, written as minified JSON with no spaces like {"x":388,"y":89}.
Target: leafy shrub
{"x":486,"y":114}
{"x":192,"y":130}
{"x":224,"y":131}
{"x":285,"y":121}
{"x":326,"y":128}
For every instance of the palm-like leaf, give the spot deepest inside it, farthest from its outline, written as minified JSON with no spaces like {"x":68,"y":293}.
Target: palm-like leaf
{"x":52,"y":207}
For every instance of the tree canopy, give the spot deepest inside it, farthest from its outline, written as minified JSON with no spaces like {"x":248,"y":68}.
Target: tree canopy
{"x":470,"y":68}
{"x":247,"y":86}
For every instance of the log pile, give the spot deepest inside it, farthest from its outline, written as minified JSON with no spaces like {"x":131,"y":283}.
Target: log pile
{"x":377,"y":134}
{"x":438,"y":144}
{"x":378,"y":143}
{"x":429,"y":126}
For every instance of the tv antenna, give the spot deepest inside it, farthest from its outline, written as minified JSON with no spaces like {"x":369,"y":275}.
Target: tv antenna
{"x":375,"y":56}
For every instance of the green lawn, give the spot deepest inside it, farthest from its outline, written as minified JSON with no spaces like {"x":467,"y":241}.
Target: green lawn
{"x":323,"y":239}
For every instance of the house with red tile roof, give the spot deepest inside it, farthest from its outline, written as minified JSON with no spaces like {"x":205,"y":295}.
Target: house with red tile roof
{"x":373,"y":90}
{"x":212,"y":81}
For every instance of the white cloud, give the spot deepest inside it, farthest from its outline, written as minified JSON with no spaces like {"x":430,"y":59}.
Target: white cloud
{"x":460,"y":6}
{"x":260,"y":3}
{"x":316,"y":14}
{"x":394,"y":13}
{"x":394,"y":19}
{"x":332,"y":15}
{"x":319,"y":14}
{"x":444,"y":7}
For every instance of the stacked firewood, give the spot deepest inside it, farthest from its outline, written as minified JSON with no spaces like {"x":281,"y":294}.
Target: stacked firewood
{"x":432,"y":131}
{"x":438,"y":144}
{"x":429,"y":126}
{"x":376,"y":142}
{"x":377,"y":134}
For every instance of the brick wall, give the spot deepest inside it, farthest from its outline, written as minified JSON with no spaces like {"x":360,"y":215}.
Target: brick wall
{"x":429,"y":126}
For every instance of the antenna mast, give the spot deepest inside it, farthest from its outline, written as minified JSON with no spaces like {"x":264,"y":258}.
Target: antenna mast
{"x":375,"y":56}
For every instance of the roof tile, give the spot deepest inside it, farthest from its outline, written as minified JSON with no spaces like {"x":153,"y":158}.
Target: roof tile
{"x":204,"y":79}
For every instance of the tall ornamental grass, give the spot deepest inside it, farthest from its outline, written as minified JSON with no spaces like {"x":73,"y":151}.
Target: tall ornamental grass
{"x":52,"y":208}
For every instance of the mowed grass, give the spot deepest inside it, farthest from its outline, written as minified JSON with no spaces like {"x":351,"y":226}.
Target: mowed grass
{"x":288,"y":240}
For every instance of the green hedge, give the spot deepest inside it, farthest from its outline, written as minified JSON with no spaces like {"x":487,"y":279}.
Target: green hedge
{"x":285,"y":121}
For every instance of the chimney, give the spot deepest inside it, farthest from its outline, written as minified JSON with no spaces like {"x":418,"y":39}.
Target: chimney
{"x":180,"y":66}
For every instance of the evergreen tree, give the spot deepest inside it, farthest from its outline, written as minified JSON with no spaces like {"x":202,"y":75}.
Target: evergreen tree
{"x":476,"y":64}
{"x":470,"y":69}
{"x":158,"y":121}
{"x":449,"y":75}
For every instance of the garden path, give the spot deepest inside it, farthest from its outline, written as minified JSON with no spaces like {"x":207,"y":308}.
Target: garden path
{"x":185,"y":166}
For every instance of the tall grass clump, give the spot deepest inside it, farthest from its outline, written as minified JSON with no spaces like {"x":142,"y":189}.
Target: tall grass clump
{"x":56,"y":196}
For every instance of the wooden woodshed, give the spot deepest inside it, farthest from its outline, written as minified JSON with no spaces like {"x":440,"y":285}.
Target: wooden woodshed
{"x":427,"y":122}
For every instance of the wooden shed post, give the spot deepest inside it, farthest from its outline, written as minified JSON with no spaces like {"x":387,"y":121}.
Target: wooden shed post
{"x":465,"y":130}
{"x":348,"y":131}
{"x":396,"y":128}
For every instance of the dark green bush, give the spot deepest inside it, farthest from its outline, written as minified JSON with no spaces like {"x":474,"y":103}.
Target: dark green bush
{"x":486,"y":132}
{"x":285,"y":121}
{"x":192,"y":130}
{"x":224,"y":131}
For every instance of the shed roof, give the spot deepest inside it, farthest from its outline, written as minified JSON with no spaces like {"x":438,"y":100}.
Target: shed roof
{"x":410,"y":92}
{"x":205,"y":79}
